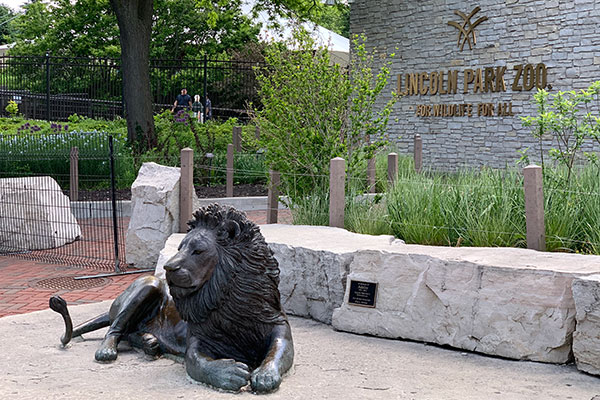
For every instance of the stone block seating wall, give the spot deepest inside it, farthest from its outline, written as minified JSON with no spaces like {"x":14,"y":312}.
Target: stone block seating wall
{"x":508,"y":302}
{"x":586,"y":339}
{"x":154,"y":213}
{"x":35,"y":215}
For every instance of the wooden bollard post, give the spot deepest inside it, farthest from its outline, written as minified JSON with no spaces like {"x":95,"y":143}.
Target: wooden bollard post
{"x":337,"y":200}
{"x":418,"y":150}
{"x":186,"y":188}
{"x":74,"y":175}
{"x":257,"y":132}
{"x":229,"y":183}
{"x":273,"y":197}
{"x":371,"y":175}
{"x":534,"y":207}
{"x":237,"y":138}
{"x":392,"y":168}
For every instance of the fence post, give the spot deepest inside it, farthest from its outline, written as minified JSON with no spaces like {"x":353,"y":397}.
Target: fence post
{"x":186,"y":188}
{"x":229,"y":184}
{"x":273,"y":197}
{"x":418,"y":150}
{"x":371,"y":175}
{"x":74,"y":175}
{"x":47,"y":86}
{"x":204,"y":94}
{"x":257,"y":132}
{"x":392,"y":168}
{"x":337,"y":201}
{"x":237,"y":138}
{"x":534,"y":207}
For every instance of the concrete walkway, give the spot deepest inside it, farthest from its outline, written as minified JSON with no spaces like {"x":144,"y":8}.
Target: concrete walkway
{"x":328,"y":365}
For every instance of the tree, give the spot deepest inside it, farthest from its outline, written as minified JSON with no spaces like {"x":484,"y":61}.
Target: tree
{"x":6,"y":16}
{"x":135,"y":28}
{"x":313,"y":111}
{"x":80,"y":29}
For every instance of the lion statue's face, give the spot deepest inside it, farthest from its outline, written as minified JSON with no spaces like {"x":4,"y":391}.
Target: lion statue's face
{"x":193,"y":264}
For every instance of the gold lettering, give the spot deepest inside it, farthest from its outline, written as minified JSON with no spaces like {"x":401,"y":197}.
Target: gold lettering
{"x":423,"y":88}
{"x":515,"y":85}
{"x":441,"y":89}
{"x":489,"y":79}
{"x":436,"y":110}
{"x":433,"y":83}
{"x":469,"y":109}
{"x":500,"y":83}
{"x":478,"y":84}
{"x":413,"y":88}
{"x":528,"y":77}
{"x":541,"y":76}
{"x":400,"y":91}
{"x":468,"y":78}
{"x":452,"y":81}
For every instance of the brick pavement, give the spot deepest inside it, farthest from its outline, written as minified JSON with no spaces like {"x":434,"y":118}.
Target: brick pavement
{"x":26,"y":285}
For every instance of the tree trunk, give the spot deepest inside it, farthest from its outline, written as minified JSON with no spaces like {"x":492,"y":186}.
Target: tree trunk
{"x":135,"y":26}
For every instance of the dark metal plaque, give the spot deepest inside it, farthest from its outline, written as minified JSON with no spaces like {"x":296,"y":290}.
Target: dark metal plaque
{"x":362,"y":294}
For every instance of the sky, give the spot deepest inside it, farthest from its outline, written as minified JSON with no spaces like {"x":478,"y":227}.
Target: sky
{"x":14,"y":4}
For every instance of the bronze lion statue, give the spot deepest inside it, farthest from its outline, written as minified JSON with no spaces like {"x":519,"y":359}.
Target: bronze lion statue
{"x":219,"y":308}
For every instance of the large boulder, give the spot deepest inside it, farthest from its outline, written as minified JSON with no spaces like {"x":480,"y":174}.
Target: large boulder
{"x":35,"y":215}
{"x":514,"y":303}
{"x":586,"y":338}
{"x":154,"y":213}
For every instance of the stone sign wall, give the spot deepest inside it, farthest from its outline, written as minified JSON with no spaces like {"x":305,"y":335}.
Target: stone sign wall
{"x":467,"y":71}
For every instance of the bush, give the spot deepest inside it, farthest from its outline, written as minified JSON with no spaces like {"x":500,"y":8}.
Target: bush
{"x":313,"y":111}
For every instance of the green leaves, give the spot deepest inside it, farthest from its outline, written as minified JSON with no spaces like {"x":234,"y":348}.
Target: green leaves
{"x":314,"y":111}
{"x":560,"y":115}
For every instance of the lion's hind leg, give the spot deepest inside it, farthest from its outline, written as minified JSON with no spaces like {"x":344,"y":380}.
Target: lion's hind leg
{"x":136,"y":305}
{"x":145,"y":341}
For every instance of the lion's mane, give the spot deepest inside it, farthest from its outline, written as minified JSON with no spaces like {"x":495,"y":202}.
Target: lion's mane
{"x":235,"y":310}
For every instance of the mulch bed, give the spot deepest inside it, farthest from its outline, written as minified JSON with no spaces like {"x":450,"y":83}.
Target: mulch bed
{"x":217,"y":191}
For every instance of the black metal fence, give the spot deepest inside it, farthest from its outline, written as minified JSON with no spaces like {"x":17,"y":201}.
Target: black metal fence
{"x":53,"y":88}
{"x":39,"y":221}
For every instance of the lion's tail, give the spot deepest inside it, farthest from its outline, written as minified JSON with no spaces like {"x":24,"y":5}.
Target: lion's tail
{"x":59,"y":305}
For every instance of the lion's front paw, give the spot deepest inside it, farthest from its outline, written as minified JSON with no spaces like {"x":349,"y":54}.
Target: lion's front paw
{"x":266,"y":378}
{"x":150,"y":344}
{"x":108,"y":349}
{"x":226,"y":374}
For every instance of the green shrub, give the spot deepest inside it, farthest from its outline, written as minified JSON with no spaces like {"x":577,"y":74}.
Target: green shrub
{"x":313,"y":111}
{"x":12,"y":108}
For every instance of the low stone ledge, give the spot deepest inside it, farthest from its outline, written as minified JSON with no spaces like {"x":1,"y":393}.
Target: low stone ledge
{"x":586,"y":338}
{"x":513,"y":303}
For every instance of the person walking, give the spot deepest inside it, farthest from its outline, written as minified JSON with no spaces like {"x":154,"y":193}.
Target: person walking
{"x":197,"y":107}
{"x":182,"y":102}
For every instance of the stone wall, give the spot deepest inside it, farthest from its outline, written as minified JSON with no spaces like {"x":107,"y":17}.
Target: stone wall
{"x":559,"y":34}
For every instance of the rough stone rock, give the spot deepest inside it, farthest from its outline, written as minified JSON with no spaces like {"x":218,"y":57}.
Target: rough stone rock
{"x":154,"y":213}
{"x":513,"y":303}
{"x":167,"y":252}
{"x":586,"y":338}
{"x":35,"y":215}
{"x":516,"y":312}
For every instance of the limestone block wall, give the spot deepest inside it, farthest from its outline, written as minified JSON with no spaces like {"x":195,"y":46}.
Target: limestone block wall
{"x":562,"y":35}
{"x":514,"y":303}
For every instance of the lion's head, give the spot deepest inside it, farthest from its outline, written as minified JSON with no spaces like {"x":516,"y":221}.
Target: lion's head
{"x":224,"y":267}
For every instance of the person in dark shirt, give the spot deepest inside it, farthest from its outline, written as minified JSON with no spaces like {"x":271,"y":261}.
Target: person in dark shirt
{"x":183,"y":101}
{"x":208,"y":109}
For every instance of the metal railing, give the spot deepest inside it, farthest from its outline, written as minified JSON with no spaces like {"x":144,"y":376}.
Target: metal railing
{"x":39,"y":219}
{"x":53,"y":88}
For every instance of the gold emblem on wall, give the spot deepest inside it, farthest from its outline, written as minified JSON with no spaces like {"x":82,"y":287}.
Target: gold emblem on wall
{"x":466,"y":30}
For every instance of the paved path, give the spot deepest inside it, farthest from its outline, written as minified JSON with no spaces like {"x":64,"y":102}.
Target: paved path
{"x":26,"y":285}
{"x":328,"y":365}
